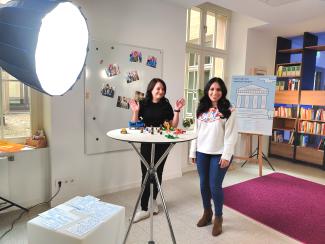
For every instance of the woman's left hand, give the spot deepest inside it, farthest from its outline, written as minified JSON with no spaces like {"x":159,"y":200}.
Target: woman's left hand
{"x":180,"y":104}
{"x":224,"y":163}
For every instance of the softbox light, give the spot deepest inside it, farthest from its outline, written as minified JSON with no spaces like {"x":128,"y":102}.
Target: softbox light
{"x":43,"y":43}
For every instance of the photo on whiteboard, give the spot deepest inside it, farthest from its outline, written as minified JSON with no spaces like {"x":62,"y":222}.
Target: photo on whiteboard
{"x":132,"y":76}
{"x":107,"y":90}
{"x":136,"y":56}
{"x":112,"y":70}
{"x":123,"y":102}
{"x":138,"y":96}
{"x":152,"y":61}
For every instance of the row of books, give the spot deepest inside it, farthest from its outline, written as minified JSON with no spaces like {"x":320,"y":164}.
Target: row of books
{"x":283,"y":136}
{"x":290,"y":85}
{"x":307,"y":141}
{"x":304,"y":140}
{"x":288,"y":71}
{"x":285,"y":112}
{"x":311,"y":127}
{"x":312,"y":114}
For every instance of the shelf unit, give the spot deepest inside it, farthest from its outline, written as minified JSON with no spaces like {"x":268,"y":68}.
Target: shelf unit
{"x":305,"y":95}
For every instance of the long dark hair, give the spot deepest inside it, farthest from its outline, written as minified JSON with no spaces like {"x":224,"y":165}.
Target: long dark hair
{"x":223,"y":104}
{"x":151,"y":85}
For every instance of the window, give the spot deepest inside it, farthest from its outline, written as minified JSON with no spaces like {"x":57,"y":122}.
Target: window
{"x":15,"y":108}
{"x":206,"y":49}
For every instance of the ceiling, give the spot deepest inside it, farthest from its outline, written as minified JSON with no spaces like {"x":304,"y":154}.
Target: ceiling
{"x":283,"y":17}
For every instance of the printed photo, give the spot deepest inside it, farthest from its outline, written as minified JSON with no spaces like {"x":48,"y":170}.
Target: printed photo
{"x":138,"y":96}
{"x":123,"y":102}
{"x":107,"y":90}
{"x":152,"y":61}
{"x":132,"y":76}
{"x":112,"y":70}
{"x":136,"y":56}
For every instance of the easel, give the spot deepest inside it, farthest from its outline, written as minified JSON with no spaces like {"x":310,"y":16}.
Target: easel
{"x":259,"y":152}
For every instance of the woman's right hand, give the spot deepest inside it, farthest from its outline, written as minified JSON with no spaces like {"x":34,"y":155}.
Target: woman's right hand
{"x":193,"y":160}
{"x":135,"y":106}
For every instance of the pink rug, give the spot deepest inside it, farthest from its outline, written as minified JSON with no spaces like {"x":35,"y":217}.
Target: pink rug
{"x":287,"y":204}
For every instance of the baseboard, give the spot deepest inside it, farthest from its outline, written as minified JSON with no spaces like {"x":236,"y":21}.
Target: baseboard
{"x":189,"y":168}
{"x":134,"y":184}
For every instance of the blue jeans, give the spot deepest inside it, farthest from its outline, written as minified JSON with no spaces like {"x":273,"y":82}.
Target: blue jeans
{"x":211,"y":178}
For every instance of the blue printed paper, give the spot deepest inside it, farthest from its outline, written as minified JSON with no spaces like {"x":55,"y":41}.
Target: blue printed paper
{"x":253,"y":97}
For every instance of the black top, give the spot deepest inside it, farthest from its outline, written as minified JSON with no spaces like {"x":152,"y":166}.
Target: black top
{"x":155,"y":114}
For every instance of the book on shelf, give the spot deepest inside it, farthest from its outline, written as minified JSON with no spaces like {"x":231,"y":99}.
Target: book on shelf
{"x":278,"y":136}
{"x":321,"y":145}
{"x":283,"y":136}
{"x":304,"y":140}
{"x":291,"y":139}
{"x":289,"y":85}
{"x":312,"y":114}
{"x":288,"y":71}
{"x":286,"y":112}
{"x":318,"y":80}
{"x":311,"y":127}
{"x":320,"y":115}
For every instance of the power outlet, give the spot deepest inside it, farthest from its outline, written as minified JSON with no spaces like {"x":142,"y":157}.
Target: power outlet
{"x":64,"y":181}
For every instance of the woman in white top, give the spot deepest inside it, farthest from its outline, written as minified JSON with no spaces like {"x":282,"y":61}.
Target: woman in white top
{"x":213,"y":149}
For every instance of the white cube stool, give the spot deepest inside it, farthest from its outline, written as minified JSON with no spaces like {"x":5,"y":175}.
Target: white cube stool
{"x":82,"y":220}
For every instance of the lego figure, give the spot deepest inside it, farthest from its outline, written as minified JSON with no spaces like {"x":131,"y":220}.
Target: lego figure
{"x":166,"y":125}
{"x":123,"y":131}
{"x":179,"y":131}
{"x":170,"y":136}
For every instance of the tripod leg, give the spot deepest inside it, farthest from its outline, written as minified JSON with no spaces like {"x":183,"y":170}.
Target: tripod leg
{"x":11,"y":204}
{"x":266,"y":159}
{"x":251,"y":156}
{"x":136,"y":206}
{"x":165,"y":209}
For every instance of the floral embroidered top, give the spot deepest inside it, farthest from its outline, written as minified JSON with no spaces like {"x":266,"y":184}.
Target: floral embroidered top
{"x":215,"y":135}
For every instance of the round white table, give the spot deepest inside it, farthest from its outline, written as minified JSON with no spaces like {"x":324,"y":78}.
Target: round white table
{"x":135,"y":136}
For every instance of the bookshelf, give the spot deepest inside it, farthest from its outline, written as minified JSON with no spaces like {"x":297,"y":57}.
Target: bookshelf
{"x":299,"y":119}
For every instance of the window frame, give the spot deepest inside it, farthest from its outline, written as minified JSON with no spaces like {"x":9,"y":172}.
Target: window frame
{"x":36,"y":112}
{"x":202,"y":50}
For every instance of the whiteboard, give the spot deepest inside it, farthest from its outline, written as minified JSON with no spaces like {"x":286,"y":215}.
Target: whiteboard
{"x":253,"y":97}
{"x":114,"y":70}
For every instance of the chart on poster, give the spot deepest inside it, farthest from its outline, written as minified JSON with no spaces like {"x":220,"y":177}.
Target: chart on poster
{"x":115,"y":73}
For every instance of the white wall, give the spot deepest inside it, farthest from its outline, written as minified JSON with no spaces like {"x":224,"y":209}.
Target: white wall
{"x":239,"y":26}
{"x":148,"y":23}
{"x":247,"y":48}
{"x":28,"y":177}
{"x":260,"y":52}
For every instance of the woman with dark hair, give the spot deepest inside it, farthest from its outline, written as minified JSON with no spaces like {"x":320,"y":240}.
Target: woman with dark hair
{"x":154,"y":110}
{"x":213,"y":149}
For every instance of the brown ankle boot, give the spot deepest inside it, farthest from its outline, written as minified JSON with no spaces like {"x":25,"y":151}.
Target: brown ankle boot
{"x":217,"y":226}
{"x":206,"y":218}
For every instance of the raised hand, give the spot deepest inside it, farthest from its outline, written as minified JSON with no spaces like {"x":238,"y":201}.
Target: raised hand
{"x":135,"y":106}
{"x":179,"y":104}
